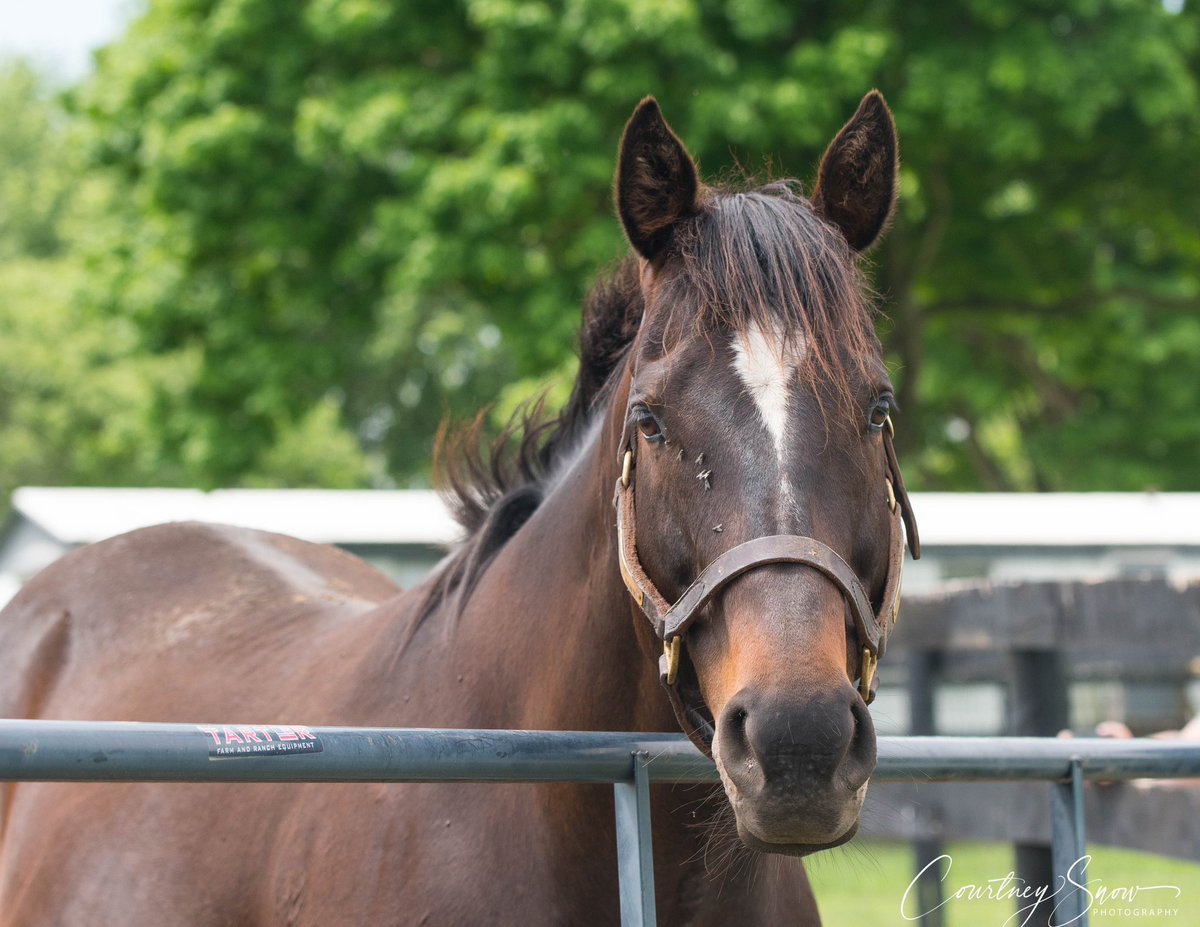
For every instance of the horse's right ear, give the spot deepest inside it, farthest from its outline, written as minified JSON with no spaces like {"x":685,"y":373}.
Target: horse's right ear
{"x":656,"y":184}
{"x":856,"y":183}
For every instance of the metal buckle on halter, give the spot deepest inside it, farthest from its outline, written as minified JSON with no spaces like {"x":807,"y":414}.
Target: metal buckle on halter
{"x":867,"y":674}
{"x":626,"y":467}
{"x":891,"y":491}
{"x":668,"y":663}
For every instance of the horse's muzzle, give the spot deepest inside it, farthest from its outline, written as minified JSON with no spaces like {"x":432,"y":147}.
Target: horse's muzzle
{"x":795,"y":769}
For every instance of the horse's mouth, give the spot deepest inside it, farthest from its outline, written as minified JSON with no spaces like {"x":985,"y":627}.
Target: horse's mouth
{"x":794,"y":849}
{"x":788,"y":826}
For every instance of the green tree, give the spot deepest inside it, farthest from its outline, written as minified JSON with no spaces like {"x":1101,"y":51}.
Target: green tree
{"x":81,"y":399}
{"x":354,"y":217}
{"x":1044,"y":275}
{"x":73,"y":395}
{"x":36,"y":175}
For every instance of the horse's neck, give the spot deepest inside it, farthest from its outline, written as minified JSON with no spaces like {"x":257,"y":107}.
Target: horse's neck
{"x":552,"y":609}
{"x":549,"y":641}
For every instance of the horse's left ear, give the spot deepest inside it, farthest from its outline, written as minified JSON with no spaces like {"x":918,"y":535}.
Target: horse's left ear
{"x":656,"y":183}
{"x":856,"y":185}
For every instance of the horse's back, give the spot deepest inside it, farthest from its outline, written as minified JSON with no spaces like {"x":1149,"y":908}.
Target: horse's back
{"x":166,"y":622}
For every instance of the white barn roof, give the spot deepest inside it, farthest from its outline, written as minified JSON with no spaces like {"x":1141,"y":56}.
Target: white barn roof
{"x":351,"y":517}
{"x":1100,"y":519}
{"x":402,"y":517}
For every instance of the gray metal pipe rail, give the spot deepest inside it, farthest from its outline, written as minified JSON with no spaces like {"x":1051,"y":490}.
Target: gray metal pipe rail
{"x":106,"y":751}
{"x":94,"y":751}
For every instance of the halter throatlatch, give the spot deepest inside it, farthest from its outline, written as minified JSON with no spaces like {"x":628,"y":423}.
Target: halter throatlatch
{"x":671,"y":621}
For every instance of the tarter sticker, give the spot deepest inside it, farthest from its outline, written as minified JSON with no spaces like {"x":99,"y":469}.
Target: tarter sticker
{"x":258,"y":740}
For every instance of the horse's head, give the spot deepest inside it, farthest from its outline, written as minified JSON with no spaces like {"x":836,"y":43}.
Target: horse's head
{"x":757,"y":412}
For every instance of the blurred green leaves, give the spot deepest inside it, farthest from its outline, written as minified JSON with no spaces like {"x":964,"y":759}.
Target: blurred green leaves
{"x":76,"y":391}
{"x":37,"y":172}
{"x":279,"y":242}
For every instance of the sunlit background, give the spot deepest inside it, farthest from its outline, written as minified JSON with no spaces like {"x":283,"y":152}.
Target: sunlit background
{"x":276,"y":244}
{"x":263,"y":246}
{"x":59,"y":36}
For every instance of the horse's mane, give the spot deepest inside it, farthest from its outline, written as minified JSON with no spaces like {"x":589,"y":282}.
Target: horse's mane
{"x":492,"y":488}
{"x":759,"y":258}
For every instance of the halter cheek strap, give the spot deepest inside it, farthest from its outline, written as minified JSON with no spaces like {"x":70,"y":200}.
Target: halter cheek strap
{"x":671,"y":621}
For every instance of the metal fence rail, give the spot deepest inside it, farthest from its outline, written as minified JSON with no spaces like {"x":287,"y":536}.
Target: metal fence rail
{"x":81,"y":751}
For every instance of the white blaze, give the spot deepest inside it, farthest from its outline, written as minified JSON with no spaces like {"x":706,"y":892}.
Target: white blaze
{"x":762,"y":364}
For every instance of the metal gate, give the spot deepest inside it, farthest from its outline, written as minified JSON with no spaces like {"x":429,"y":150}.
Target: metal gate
{"x":80,"y":751}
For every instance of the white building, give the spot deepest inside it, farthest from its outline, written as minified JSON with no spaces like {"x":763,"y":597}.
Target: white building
{"x":402,"y":533}
{"x":1005,"y":537}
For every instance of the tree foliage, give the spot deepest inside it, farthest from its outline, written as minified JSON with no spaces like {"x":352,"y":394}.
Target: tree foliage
{"x":75,"y":390}
{"x":328,"y":223}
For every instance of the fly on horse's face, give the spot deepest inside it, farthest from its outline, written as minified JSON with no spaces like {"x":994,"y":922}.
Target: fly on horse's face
{"x":757,"y":408}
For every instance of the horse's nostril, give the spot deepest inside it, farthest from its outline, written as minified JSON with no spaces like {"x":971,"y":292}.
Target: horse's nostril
{"x":859,"y":713}
{"x":735,"y":718}
{"x":735,"y":745}
{"x":861,"y":752}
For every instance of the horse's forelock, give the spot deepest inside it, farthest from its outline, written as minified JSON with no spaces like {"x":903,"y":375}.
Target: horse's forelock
{"x":764,"y":259}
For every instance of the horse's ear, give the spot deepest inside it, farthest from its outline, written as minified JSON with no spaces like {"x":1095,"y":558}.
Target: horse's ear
{"x":856,"y":186}
{"x":656,"y":183}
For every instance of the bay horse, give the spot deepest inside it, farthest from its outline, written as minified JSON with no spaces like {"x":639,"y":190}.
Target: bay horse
{"x":730,"y":371}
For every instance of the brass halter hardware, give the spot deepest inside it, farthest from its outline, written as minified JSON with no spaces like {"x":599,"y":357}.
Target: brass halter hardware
{"x":671,"y":650}
{"x":671,"y":620}
{"x":866,"y":675}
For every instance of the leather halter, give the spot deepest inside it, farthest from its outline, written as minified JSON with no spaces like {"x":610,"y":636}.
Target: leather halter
{"x":671,"y":621}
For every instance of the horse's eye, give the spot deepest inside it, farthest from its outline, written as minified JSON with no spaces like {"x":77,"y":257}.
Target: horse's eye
{"x":881,"y":409}
{"x":648,"y":425}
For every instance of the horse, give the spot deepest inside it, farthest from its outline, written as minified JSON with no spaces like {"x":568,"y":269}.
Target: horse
{"x":731,"y":377}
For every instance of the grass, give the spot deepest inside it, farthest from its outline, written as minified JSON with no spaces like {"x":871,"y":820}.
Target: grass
{"x":865,"y":882}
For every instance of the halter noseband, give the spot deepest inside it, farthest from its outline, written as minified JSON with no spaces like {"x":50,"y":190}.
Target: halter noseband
{"x":671,"y":621}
